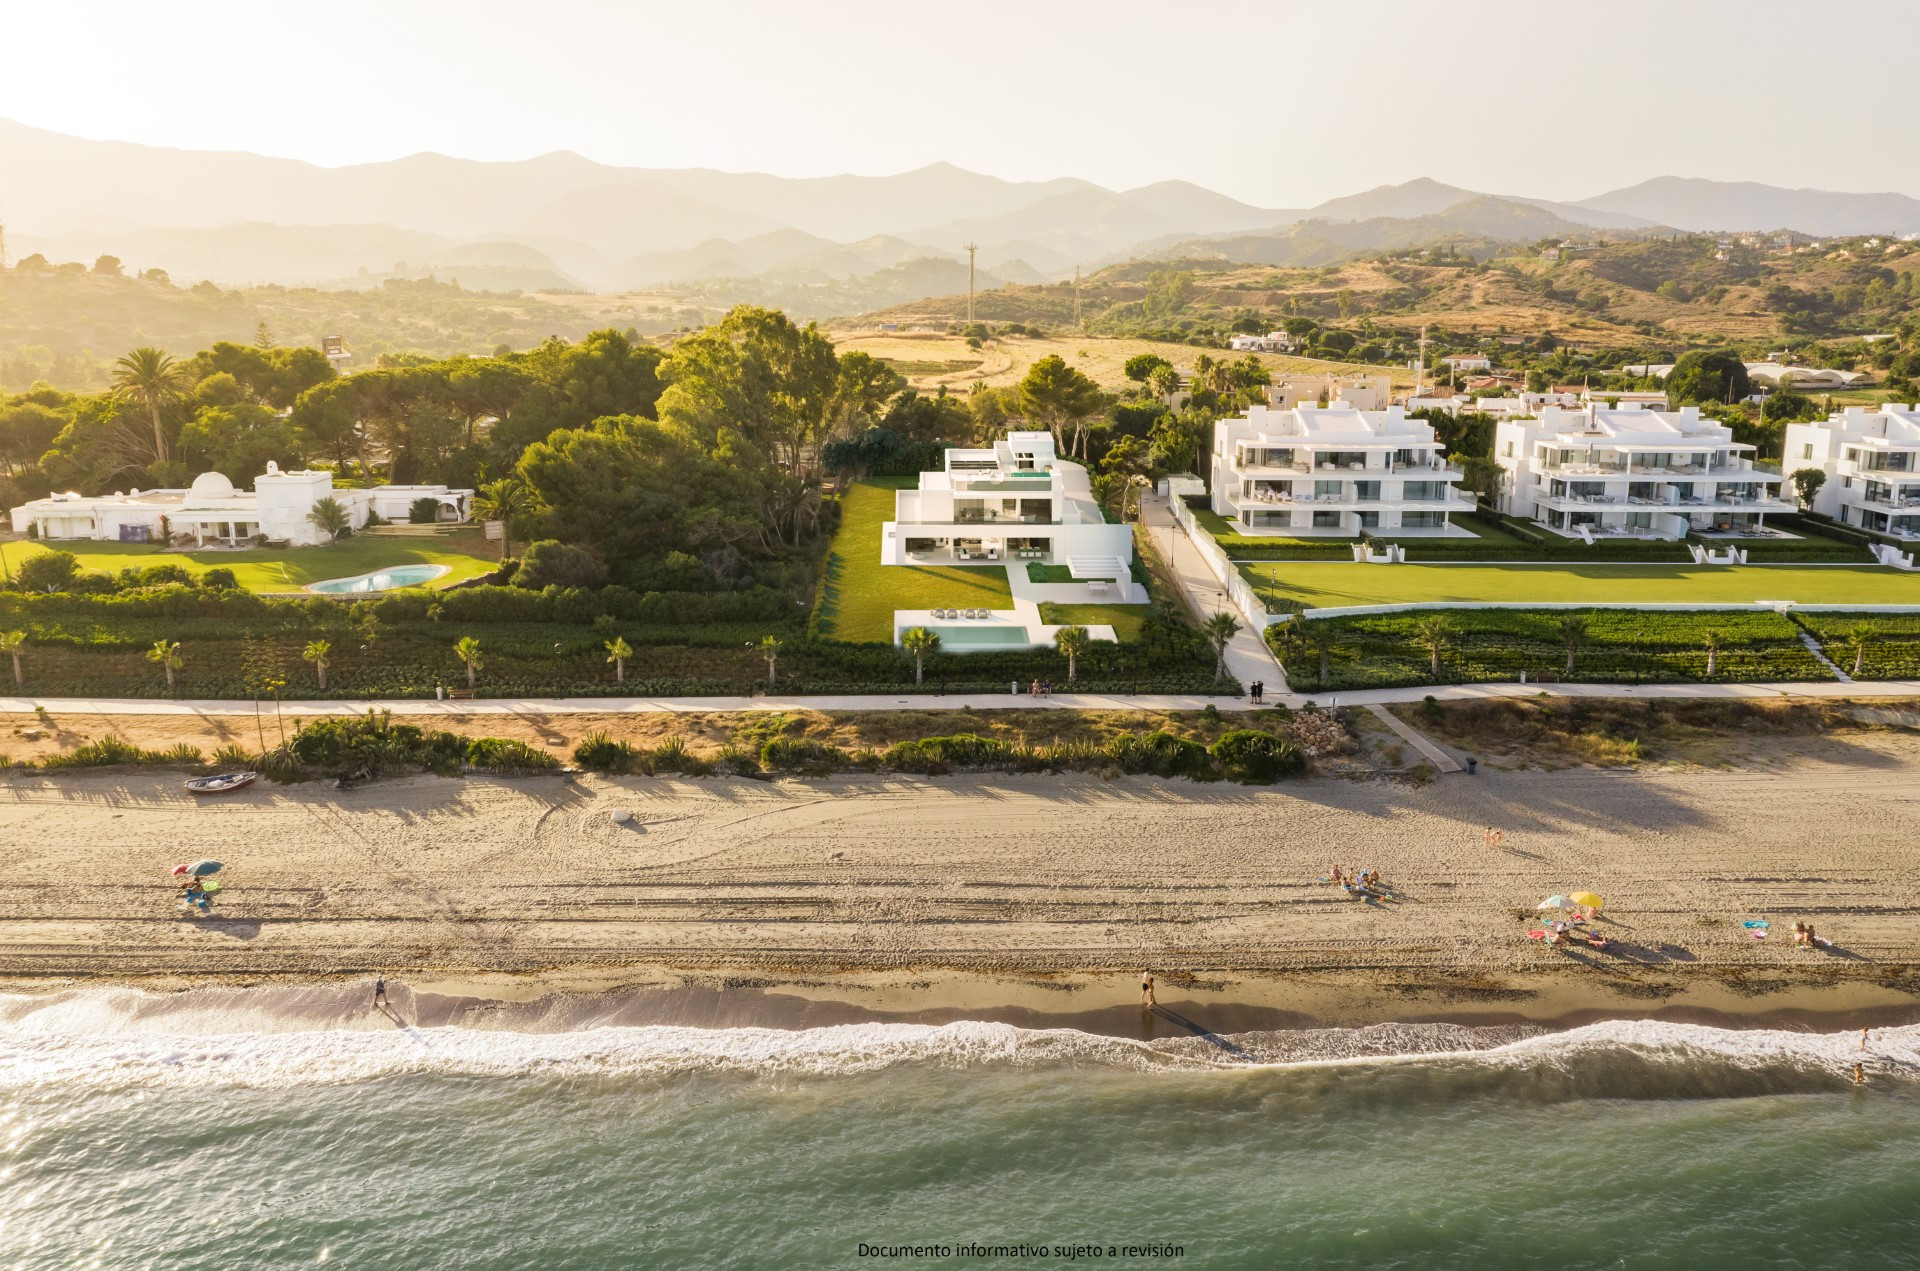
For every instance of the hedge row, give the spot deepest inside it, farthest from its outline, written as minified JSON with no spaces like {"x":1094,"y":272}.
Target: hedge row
{"x":1245,"y":755}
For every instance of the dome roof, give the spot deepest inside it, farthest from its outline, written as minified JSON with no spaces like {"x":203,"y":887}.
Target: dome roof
{"x":211,"y":485}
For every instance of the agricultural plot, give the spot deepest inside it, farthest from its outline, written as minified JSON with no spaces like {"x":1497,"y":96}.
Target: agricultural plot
{"x":1879,"y":646}
{"x":1615,"y":646}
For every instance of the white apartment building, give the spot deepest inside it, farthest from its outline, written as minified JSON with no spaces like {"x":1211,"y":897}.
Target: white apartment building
{"x":212,"y":511}
{"x":1872,"y":462}
{"x":1633,"y":472}
{"x":1014,"y":501}
{"x":1334,"y":470}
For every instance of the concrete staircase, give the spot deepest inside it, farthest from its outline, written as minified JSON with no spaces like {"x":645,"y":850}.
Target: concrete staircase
{"x":1090,"y":567}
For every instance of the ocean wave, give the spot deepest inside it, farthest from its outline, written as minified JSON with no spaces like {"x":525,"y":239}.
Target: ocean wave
{"x":322,"y":1035}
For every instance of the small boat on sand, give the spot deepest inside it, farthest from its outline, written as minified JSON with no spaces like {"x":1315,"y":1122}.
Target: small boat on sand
{"x":221,"y":783}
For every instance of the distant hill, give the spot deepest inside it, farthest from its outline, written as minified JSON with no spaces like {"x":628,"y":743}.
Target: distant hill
{"x":1692,"y":203}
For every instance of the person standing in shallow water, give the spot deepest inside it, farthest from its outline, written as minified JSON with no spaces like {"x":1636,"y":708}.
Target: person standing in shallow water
{"x":379,"y":991}
{"x":1146,"y":989}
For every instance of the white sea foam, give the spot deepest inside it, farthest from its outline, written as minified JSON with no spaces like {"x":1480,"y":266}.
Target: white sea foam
{"x":281,"y":1038}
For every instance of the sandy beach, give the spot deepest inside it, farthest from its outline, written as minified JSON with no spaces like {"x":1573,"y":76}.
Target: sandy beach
{"x":996,"y":894}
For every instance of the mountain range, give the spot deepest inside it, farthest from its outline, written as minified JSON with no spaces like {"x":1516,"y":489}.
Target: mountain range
{"x":564,"y":222}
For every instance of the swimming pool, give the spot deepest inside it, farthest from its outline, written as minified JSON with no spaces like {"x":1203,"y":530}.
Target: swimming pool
{"x":380,"y":580}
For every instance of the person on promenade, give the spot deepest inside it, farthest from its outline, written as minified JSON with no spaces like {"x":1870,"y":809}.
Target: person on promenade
{"x":1146,"y":989}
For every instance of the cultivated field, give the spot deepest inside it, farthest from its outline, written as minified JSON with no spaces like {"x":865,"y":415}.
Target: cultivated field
{"x":1003,"y":361}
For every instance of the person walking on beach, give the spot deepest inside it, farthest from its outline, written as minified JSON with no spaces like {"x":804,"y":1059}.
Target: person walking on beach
{"x":379,"y":991}
{"x":1863,"y":1039}
{"x":1146,"y":989}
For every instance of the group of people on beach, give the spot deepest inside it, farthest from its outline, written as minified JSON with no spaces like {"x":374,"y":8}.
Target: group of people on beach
{"x":1804,"y":938}
{"x":1566,"y":931}
{"x":1363,"y":885}
{"x":194,"y":894}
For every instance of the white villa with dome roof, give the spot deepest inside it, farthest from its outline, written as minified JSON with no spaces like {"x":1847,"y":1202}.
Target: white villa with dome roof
{"x":211,"y":512}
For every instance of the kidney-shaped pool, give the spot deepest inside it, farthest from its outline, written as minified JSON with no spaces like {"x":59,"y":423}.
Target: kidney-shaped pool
{"x":380,"y":580}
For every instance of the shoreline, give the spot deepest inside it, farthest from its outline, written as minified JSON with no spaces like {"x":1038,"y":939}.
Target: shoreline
{"x":1101,"y":1005}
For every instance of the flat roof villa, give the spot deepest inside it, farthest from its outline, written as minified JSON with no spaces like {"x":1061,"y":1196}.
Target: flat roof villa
{"x":212,"y":512}
{"x":1872,"y":462}
{"x":1630,"y":472}
{"x":1335,"y":470}
{"x":1013,"y":504}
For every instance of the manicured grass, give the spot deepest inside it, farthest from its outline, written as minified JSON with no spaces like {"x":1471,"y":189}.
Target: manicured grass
{"x":1038,"y":573}
{"x":1124,"y":619}
{"x":860,"y":594}
{"x":1323,"y":585}
{"x":466,"y":553}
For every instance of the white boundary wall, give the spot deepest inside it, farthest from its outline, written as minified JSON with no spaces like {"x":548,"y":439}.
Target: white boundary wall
{"x":1244,"y":598}
{"x":1776,"y":606}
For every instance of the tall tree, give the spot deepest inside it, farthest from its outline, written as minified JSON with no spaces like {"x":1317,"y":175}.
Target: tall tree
{"x":502,"y":501}
{"x":1072,"y":641}
{"x":155,"y":381}
{"x":1435,"y":631}
{"x":1060,"y":399}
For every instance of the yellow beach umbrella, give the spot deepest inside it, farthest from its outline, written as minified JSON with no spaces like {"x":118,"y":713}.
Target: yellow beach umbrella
{"x":1587,"y":900}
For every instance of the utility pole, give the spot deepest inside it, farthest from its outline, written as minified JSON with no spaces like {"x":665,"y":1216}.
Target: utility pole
{"x":971,"y":248}
{"x":1076,"y":295}
{"x":1420,"y":366}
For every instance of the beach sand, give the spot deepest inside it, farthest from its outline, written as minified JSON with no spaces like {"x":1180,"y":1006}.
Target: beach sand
{"x":999,"y":896}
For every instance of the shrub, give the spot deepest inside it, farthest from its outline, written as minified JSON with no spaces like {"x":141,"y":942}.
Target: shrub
{"x":551,"y":563}
{"x":1162,"y":754}
{"x":930,"y":755}
{"x":219,"y":578}
{"x":423,"y":511}
{"x":115,"y":752}
{"x":48,"y":571}
{"x":504,"y":754}
{"x":672,"y":755}
{"x":235,"y":757}
{"x":597,"y":752}
{"x":1249,"y":755}
{"x":802,"y":755}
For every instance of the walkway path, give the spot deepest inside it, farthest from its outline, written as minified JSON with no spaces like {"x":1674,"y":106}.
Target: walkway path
{"x":1419,"y":741}
{"x":1248,"y":658}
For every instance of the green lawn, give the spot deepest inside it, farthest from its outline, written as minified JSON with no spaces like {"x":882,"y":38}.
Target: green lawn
{"x":1124,"y":619}
{"x":466,"y":554}
{"x":1325,"y":584}
{"x":860,"y":594}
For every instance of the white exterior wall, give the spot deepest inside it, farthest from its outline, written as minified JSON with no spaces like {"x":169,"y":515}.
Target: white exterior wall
{"x":1016,"y":500}
{"x":1631,"y":471}
{"x":1872,"y":462}
{"x":1332,"y":471}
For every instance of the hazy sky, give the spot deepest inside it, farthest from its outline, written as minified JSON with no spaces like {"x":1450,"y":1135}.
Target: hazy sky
{"x":1279,"y":103}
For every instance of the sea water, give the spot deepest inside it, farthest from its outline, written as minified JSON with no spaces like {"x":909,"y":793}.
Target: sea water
{"x":262,"y":1131}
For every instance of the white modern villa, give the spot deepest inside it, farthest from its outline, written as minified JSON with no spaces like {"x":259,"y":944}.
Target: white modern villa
{"x":1014,"y":504}
{"x":1635,"y":473}
{"x":1017,"y":501}
{"x":1334,"y":470}
{"x":212,"y":512}
{"x":1872,"y":462}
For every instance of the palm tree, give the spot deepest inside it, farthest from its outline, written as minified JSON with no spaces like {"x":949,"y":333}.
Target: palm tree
{"x":167,"y":654}
{"x":1572,"y":631}
{"x":618,"y":651}
{"x":501,"y":501}
{"x":467,"y":649}
{"x":1165,"y":381}
{"x":155,"y":381}
{"x":920,"y":642}
{"x":1219,"y":631}
{"x":770,"y":647}
{"x":1434,"y":631}
{"x":1712,"y":639}
{"x":329,"y":516}
{"x":1308,"y":640}
{"x":1072,"y":641}
{"x":1858,"y":639}
{"x":11,"y":643}
{"x":317,"y":652}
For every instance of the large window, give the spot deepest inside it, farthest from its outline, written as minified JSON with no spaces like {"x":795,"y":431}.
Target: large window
{"x":1326,"y":520}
